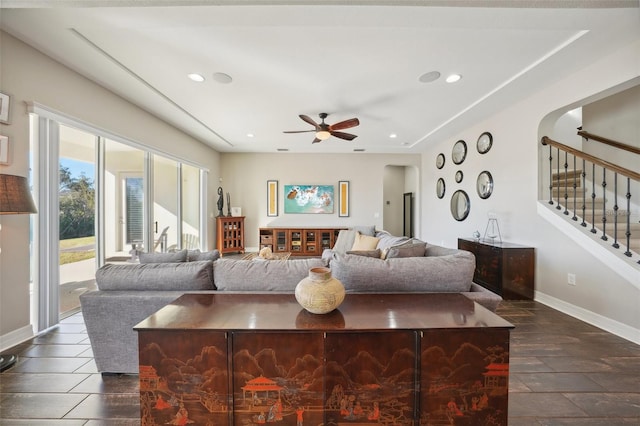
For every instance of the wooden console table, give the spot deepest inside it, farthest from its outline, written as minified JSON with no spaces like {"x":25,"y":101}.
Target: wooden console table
{"x":506,"y":269}
{"x":299,"y":241}
{"x":393,"y":359}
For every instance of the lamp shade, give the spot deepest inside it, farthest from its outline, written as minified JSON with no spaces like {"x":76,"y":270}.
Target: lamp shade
{"x":15,"y":197}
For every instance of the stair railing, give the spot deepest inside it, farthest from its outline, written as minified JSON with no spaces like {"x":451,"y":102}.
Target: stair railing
{"x":563,"y":180}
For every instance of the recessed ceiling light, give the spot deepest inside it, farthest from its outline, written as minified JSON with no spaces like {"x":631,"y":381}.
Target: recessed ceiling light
{"x":250,"y":135}
{"x":429,"y":77}
{"x":453,"y":78}
{"x":196,"y":77}
{"x":222,"y":78}
{"x":393,"y":136}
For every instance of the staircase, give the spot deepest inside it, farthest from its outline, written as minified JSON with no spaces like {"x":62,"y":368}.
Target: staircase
{"x":599,"y":215}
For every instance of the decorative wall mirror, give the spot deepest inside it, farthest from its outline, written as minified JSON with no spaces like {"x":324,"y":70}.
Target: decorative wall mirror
{"x":459,"y":152}
{"x":460,"y":205}
{"x":484,"y":143}
{"x":459,"y":176}
{"x":484,"y":184}
{"x":440,"y":161}
{"x":440,"y":188}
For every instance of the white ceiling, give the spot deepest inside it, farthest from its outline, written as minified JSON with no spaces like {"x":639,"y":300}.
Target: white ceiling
{"x":350,"y":59}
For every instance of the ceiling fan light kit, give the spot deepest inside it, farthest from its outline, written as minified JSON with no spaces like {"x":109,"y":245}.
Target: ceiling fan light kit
{"x":324,"y":131}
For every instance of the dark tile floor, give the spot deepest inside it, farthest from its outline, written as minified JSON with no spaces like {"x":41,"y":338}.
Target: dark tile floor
{"x":563,"y":372}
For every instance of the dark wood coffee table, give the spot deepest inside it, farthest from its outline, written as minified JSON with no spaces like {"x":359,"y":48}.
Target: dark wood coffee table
{"x":395,"y":359}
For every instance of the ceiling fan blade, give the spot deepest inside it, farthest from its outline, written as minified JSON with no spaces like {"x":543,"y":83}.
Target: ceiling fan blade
{"x":346,"y":124}
{"x":343,"y":135}
{"x":298,"y":131}
{"x":308,"y":120}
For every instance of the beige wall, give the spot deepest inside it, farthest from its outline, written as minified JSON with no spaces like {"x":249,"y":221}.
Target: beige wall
{"x":29,"y":76}
{"x":245,"y":177}
{"x":601,"y":295}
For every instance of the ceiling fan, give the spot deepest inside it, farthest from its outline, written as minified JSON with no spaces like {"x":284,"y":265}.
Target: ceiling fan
{"x":324,"y":131}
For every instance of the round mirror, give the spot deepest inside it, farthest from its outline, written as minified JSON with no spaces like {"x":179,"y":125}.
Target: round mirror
{"x":484,"y":143}
{"x":459,"y":152}
{"x":440,"y":187}
{"x":484,"y":184}
{"x":459,"y":176}
{"x":460,"y":205}
{"x":440,"y":161}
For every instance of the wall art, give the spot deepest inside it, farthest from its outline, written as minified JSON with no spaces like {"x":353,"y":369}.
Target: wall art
{"x":343,"y":198}
{"x":272,"y":198}
{"x":308,"y":198}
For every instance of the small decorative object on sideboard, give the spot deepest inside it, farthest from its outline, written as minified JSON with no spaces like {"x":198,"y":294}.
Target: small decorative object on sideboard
{"x":320,"y":292}
{"x":220,"y":202}
{"x":228,"y":205}
{"x":492,"y":231}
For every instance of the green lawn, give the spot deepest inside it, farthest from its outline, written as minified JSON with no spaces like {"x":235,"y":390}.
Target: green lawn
{"x":81,"y":254}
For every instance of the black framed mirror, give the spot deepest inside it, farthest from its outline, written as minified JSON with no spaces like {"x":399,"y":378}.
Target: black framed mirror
{"x":459,"y":152}
{"x":440,"y":188}
{"x":484,"y":184}
{"x":459,"y":176}
{"x":440,"y":161}
{"x":484,"y":143}
{"x":460,"y":205}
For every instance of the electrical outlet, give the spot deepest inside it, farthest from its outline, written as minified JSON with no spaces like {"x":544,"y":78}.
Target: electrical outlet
{"x":571,"y":279}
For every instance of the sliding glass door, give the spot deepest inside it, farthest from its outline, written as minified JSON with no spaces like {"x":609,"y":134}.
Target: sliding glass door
{"x":100,"y":197}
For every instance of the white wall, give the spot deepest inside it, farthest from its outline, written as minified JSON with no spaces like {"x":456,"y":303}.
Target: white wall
{"x":29,"y":76}
{"x":600,"y":295}
{"x":245,"y":177}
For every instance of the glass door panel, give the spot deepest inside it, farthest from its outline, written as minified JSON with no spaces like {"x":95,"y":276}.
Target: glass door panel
{"x":77,"y":217}
{"x":190,"y":192}
{"x":165,"y":205}
{"x":123,"y":200}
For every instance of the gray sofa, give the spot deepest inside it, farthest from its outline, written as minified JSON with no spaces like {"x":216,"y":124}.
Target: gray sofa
{"x":129,"y":293}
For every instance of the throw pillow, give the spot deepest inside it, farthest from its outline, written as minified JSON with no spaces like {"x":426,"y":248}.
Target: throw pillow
{"x":367,"y":253}
{"x":344,"y":241}
{"x":410,"y":249}
{"x":179,"y":256}
{"x":365,"y":242}
{"x":197,"y":255}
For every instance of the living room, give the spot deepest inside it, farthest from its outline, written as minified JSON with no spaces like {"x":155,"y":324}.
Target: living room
{"x":602,"y":296}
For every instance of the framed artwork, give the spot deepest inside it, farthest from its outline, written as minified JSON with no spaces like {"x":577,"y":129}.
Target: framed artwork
{"x":4,"y":150}
{"x":343,"y":198}
{"x":4,"y":108}
{"x":236,"y":211}
{"x":308,"y":199}
{"x":272,"y":198}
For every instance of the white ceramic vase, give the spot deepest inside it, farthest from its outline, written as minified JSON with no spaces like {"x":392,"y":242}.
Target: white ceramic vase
{"x":320,"y":293}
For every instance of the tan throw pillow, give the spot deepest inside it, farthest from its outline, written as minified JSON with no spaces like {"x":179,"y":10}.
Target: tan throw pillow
{"x":364,"y":242}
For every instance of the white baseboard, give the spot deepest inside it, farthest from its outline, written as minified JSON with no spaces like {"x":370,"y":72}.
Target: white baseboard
{"x":612,"y":326}
{"x":16,"y":337}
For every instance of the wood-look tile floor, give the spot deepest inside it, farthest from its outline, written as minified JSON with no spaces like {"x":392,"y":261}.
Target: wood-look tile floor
{"x":563,"y":372}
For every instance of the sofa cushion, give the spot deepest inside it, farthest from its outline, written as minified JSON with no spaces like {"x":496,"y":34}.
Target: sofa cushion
{"x":344,"y":241}
{"x":411,"y":248}
{"x":364,"y":242}
{"x":244,"y":275}
{"x":453,"y":273}
{"x":181,"y":276}
{"x":368,"y":253}
{"x":178,"y":256}
{"x":387,"y":240}
{"x":366,"y":230}
{"x":195,"y":255}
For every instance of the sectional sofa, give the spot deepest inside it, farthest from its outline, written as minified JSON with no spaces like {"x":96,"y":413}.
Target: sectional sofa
{"x":128,"y":293}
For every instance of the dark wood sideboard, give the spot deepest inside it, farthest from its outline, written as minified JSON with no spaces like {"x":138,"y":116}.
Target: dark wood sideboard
{"x":392,"y":359}
{"x":505,"y":268}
